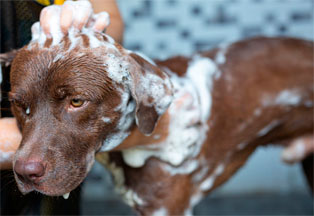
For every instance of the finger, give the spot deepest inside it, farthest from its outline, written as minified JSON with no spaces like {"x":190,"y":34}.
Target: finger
{"x":102,"y":21}
{"x":298,"y":150}
{"x":50,"y":20}
{"x":82,"y":11}
{"x":35,"y":30}
{"x":66,"y":18}
{"x":43,"y":19}
{"x":10,"y":136}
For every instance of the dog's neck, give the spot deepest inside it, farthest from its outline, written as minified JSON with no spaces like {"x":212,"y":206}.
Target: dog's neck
{"x":187,"y":115}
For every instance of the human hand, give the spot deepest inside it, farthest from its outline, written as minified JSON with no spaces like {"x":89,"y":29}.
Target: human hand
{"x":57,"y":20}
{"x":10,"y":138}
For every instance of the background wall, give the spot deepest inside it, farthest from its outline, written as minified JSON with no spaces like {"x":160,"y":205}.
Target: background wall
{"x":162,"y":28}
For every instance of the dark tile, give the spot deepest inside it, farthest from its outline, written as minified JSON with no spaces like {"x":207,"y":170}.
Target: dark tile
{"x":171,"y":2}
{"x":196,"y":10}
{"x":299,"y":16}
{"x":134,"y":46}
{"x":204,"y":45}
{"x":165,"y":23}
{"x":161,"y":45}
{"x":250,"y":31}
{"x":221,"y":17}
{"x":270,"y":17}
{"x":185,"y":34}
{"x":282,"y":28}
{"x":148,"y":4}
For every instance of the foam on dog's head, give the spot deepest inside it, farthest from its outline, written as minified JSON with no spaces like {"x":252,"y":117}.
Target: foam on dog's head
{"x":132,"y":75}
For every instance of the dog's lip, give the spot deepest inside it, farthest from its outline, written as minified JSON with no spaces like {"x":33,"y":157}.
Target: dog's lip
{"x":27,"y":188}
{"x":48,"y":193}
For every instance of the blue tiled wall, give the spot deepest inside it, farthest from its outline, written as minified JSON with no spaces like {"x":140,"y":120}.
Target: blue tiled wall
{"x":161,"y":28}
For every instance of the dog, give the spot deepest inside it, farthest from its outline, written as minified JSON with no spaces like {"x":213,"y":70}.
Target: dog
{"x":169,"y":131}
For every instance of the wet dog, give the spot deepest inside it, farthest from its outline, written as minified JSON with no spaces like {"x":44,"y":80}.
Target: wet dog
{"x":174,"y":129}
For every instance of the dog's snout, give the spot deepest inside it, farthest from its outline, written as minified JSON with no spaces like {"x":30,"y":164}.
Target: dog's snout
{"x":29,"y":171}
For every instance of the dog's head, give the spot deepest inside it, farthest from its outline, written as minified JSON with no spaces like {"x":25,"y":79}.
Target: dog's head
{"x":76,"y":98}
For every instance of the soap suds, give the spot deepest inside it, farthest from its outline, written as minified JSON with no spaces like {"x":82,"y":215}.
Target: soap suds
{"x":288,"y":97}
{"x":186,"y":168}
{"x":188,"y":112}
{"x":160,"y":212}
{"x":126,"y":108}
{"x":268,"y":128}
{"x":221,"y":54}
{"x":242,"y":145}
{"x":209,"y":182}
{"x":129,"y":196}
{"x":106,"y":119}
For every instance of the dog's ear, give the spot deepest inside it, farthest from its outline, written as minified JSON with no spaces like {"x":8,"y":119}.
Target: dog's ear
{"x":7,"y":57}
{"x":152,"y":90}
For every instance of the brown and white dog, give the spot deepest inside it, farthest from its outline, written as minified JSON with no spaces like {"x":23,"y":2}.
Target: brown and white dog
{"x":174,"y":129}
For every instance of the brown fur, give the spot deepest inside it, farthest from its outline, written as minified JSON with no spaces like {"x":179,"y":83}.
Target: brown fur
{"x":63,"y":139}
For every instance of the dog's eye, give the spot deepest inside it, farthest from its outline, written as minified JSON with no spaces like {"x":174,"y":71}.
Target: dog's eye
{"x":77,"y":102}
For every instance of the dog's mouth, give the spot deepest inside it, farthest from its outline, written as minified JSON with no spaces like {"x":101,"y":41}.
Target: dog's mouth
{"x":48,"y":187}
{"x":57,"y":180}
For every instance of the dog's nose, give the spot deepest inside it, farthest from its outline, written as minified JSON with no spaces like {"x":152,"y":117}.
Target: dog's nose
{"x":29,"y":171}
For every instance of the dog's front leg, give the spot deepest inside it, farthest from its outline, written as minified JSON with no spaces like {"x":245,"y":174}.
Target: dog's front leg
{"x":150,"y":189}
